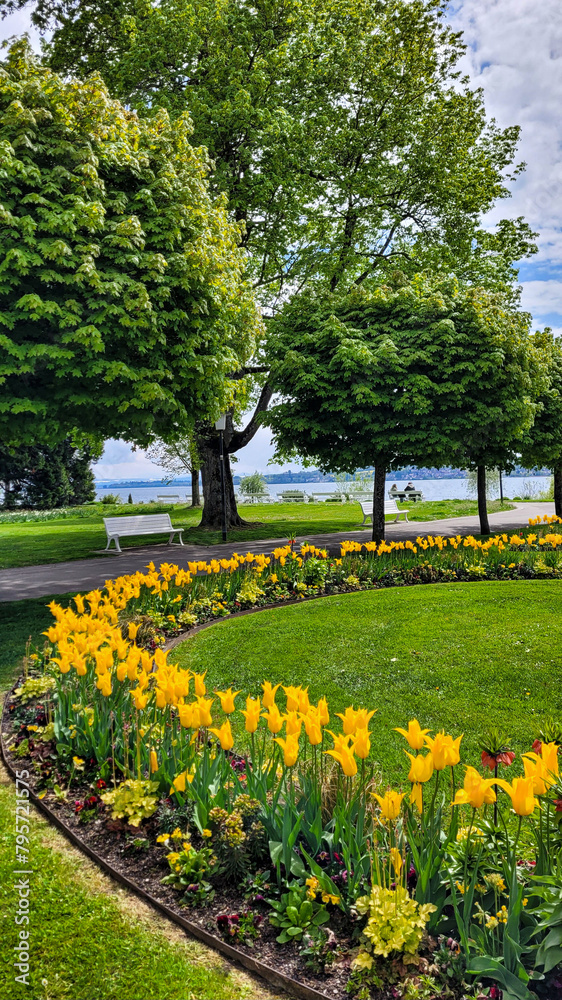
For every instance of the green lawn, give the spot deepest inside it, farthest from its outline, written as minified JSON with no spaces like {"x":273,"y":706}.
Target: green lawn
{"x":32,"y":543}
{"x":463,"y":657}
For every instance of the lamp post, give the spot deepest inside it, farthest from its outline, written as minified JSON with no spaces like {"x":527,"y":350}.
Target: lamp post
{"x":501,"y":486}
{"x":220,"y":426}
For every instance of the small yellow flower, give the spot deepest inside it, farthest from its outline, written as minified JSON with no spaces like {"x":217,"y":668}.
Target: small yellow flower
{"x":207,"y":833}
{"x":78,"y":763}
{"x":163,"y":838}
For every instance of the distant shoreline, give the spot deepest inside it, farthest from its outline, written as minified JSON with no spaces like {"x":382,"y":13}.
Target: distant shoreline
{"x":313,"y":476}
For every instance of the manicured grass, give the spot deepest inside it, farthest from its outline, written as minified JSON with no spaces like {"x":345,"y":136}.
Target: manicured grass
{"x":91,"y":941}
{"x":463,"y":657}
{"x":32,"y":543}
{"x":19,"y":621}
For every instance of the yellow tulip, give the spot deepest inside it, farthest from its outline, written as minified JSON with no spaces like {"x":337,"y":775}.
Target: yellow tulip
{"x":414,"y":734}
{"x":536,"y":770}
{"x":269,"y":693}
{"x":313,"y":728}
{"x":121,"y":671}
{"x":390,"y":804}
{"x":363,"y":718}
{"x":205,"y":717}
{"x":251,"y":714}
{"x":153,"y":761}
{"x":292,"y":697}
{"x":304,"y":703}
{"x":139,"y":698}
{"x":189,"y":715}
{"x":103,"y":683}
{"x":133,"y":629}
{"x":362,"y":743}
{"x":421,"y":768}
{"x":180,"y":782}
{"x":349,"y":720}
{"x":294,"y":723}
{"x":444,"y":750}
{"x":521,"y":794}
{"x":416,"y":795}
{"x":200,"y":689}
{"x":274,"y":719}
{"x":290,"y":747}
{"x":323,"y":713}
{"x":396,"y":860}
{"x":345,"y":759}
{"x":224,"y":735}
{"x":227,"y":700}
{"x":476,"y":790}
{"x":549,"y":755}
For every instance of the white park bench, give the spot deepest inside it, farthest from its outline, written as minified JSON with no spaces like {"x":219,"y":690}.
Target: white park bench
{"x":292,"y":496}
{"x":139,"y":524}
{"x":329,"y":496}
{"x":168,"y":498}
{"x":390,"y":507}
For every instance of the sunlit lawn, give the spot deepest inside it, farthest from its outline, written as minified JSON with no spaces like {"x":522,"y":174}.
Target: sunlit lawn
{"x":463,"y":657}
{"x":82,"y":535}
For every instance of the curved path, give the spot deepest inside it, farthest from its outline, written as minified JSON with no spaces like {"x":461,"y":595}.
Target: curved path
{"x":24,"y":582}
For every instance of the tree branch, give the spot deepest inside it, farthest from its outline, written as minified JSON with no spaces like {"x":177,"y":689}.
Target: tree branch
{"x":241,"y":438}
{"x":248,"y":370}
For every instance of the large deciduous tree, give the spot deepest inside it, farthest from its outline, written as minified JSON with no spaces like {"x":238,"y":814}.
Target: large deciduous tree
{"x":542,"y":445}
{"x":341,"y":131}
{"x":423,"y":372}
{"x":123,"y":307}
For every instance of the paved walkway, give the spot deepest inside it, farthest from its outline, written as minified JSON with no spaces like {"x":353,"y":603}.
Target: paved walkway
{"x":86,"y":574}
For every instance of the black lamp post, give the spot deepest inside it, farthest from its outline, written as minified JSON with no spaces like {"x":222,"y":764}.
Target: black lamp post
{"x":220,"y":426}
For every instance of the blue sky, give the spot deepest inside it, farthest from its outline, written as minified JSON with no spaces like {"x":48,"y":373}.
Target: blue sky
{"x":515,"y":54}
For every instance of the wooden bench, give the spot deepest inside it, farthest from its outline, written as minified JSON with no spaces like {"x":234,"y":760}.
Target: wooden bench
{"x":139,"y":524}
{"x":390,"y":507}
{"x":292,"y":496}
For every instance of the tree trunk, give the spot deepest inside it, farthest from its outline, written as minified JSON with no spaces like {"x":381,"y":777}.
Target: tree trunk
{"x":195,"y":494}
{"x":212,"y":494}
{"x":482,"y":508}
{"x":207,"y":443}
{"x":558,"y":490}
{"x":378,"y":503}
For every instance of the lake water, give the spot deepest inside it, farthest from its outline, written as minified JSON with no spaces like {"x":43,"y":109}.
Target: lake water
{"x":433,"y":489}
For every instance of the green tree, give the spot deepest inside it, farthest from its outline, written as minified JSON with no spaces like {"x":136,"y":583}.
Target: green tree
{"x":176,"y":458}
{"x":342,"y":134}
{"x":253,"y":484}
{"x":47,"y":477}
{"x":423,"y":372}
{"x":542,"y":445}
{"x":123,"y":305}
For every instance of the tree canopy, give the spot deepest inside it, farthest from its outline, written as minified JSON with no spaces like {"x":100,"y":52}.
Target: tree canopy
{"x":123,"y":307}
{"x":542,"y":444}
{"x":342,"y":132}
{"x":425,"y":372}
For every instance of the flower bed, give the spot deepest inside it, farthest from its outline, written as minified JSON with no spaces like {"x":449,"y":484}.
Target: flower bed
{"x":265,"y":815}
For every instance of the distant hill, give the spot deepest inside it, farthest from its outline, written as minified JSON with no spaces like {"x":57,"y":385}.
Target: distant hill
{"x":314,"y":476}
